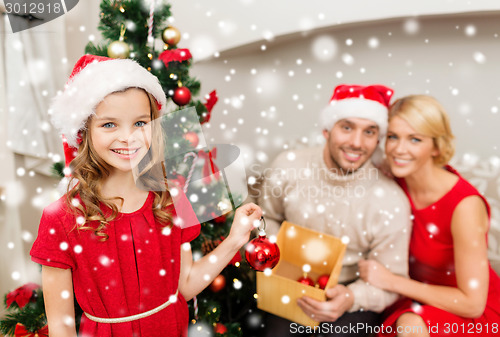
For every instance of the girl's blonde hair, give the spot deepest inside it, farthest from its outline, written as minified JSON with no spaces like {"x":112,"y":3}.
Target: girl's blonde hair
{"x":89,"y":171}
{"x":428,"y":117}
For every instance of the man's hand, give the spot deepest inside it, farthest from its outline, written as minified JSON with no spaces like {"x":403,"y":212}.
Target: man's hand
{"x":339,"y":300}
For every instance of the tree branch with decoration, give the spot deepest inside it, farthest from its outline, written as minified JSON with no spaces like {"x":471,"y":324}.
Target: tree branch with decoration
{"x":25,"y":312}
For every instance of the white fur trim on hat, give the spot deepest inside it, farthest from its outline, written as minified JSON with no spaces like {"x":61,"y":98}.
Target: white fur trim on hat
{"x":71,"y":109}
{"x":354,"y":108}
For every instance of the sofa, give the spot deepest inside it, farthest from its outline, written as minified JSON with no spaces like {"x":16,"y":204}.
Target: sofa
{"x":484,"y":174}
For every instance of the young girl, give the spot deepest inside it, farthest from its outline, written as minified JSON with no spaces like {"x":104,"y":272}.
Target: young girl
{"x":453,"y":290}
{"x":124,"y":251}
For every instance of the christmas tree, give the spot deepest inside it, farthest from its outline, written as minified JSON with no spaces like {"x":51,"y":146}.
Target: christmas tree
{"x":132,"y":29}
{"x":25,"y":312}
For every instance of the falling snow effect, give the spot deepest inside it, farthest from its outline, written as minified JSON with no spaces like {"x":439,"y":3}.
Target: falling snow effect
{"x":200,"y":330}
{"x":324,"y":48}
{"x":411,"y":26}
{"x":334,"y":62}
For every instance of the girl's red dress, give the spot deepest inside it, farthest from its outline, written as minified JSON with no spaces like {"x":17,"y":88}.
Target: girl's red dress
{"x":135,"y":270}
{"x":432,"y":261}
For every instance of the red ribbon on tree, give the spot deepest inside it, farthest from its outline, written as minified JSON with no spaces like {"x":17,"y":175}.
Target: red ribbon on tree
{"x":175,"y":55}
{"x":211,"y":99}
{"x":22,"y":332}
{"x":209,"y":167}
{"x":21,"y":295}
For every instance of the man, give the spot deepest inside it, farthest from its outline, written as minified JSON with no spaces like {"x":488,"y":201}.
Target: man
{"x":337,"y":190}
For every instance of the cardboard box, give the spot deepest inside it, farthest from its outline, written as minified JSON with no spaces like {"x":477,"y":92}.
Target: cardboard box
{"x":279,"y":290}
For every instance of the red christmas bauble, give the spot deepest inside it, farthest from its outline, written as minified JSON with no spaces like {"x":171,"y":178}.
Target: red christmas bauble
{"x":220,"y":328}
{"x":218,"y":283}
{"x":306,"y":280}
{"x":322,"y":281}
{"x":192,"y":137}
{"x":262,"y":253}
{"x":181,"y":96}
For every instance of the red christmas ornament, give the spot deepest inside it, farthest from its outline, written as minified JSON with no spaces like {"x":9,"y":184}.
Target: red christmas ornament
{"x":306,"y":280}
{"x":262,"y":253}
{"x":220,"y":328}
{"x":218,"y":283}
{"x":192,"y":137}
{"x":181,"y":96}
{"x":322,"y":281}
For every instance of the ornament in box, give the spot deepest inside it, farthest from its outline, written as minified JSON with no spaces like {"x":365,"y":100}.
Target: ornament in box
{"x":322,"y":281}
{"x":306,"y":279}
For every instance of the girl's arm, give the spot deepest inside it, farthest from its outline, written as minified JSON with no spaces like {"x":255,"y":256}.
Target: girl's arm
{"x":197,"y":275}
{"x":59,"y":306}
{"x":469,"y":226}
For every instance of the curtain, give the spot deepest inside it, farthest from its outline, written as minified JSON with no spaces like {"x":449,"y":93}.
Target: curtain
{"x":33,"y":66}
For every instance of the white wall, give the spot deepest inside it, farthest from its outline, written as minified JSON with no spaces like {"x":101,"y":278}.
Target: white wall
{"x":453,"y":57}
{"x":211,"y":26}
{"x":216,"y":26}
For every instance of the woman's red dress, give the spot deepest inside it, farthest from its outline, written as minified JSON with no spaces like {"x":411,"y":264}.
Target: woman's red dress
{"x":431,"y":261}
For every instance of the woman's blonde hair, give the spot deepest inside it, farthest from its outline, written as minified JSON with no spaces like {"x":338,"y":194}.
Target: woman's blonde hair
{"x":89,"y":171}
{"x":428,"y":117}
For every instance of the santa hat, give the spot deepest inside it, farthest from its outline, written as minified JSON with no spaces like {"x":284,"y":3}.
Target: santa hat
{"x":93,"y":78}
{"x":357,"y":101}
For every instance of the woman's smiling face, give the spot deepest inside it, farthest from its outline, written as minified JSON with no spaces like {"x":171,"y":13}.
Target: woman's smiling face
{"x":407,"y":150}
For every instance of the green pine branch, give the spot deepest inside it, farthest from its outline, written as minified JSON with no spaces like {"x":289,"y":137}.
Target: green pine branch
{"x":32,"y":316}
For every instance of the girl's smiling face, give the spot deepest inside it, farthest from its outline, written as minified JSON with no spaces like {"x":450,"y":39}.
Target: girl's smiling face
{"x":407,"y":150}
{"x":120,"y":130}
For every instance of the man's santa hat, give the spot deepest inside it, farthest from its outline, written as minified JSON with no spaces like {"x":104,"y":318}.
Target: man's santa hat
{"x":357,"y":101}
{"x":93,"y":78}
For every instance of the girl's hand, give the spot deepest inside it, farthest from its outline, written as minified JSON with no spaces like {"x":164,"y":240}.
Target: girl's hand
{"x":375,"y":274}
{"x":243,"y":223}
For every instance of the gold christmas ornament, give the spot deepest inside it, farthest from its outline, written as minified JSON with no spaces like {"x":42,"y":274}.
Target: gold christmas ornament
{"x":171,"y":36}
{"x":119,"y":49}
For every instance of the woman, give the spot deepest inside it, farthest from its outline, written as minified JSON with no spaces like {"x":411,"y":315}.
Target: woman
{"x":452,"y":290}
